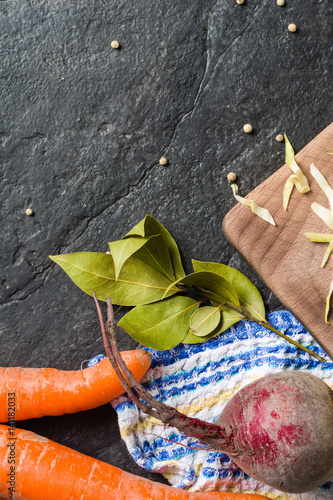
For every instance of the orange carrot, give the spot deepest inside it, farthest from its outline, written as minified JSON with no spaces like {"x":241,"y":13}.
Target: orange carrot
{"x":45,"y":470}
{"x":36,"y":392}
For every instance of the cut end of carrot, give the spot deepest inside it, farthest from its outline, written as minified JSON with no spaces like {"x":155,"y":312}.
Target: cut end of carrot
{"x":144,"y":360}
{"x":143,"y":356}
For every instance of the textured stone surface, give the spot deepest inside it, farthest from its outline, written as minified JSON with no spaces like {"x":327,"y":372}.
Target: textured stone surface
{"x":84,"y":126}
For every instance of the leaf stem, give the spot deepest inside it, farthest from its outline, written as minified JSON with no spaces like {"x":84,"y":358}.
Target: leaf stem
{"x":269,"y":326}
{"x":265,"y":324}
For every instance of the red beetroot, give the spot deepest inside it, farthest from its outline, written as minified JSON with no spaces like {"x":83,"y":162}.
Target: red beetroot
{"x":283,"y":427}
{"x":278,"y":429}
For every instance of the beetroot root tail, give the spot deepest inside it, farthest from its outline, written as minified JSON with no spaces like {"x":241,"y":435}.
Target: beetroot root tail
{"x":205,"y":432}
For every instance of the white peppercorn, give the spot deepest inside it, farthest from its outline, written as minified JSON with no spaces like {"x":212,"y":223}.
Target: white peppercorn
{"x":247,"y":128}
{"x":231,"y":176}
{"x":292,"y":27}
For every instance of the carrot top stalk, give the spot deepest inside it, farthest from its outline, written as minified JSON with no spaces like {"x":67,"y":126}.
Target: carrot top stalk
{"x":36,"y":392}
{"x":45,"y":470}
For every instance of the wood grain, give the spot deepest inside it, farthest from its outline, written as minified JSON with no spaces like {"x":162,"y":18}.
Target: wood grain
{"x":287,"y":261}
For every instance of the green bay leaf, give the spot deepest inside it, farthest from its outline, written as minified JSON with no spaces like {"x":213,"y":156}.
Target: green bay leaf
{"x":204,"y":320}
{"x":121,"y":250}
{"x":94,"y":272}
{"x":149,"y":226}
{"x":155,"y":254}
{"x":248,"y":294}
{"x":228,"y":318}
{"x":137,"y":230}
{"x":161,"y":325}
{"x":151,"y":251}
{"x":142,"y":284}
{"x":213,"y":285}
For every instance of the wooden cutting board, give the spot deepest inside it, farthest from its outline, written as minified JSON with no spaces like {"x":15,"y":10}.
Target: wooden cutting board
{"x":287,"y":261}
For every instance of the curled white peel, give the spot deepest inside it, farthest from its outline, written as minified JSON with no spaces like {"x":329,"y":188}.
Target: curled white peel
{"x":322,"y":238}
{"x":289,"y":150}
{"x":319,"y":237}
{"x":263,"y":213}
{"x":287,"y":190}
{"x":297,"y":179}
{"x":302,"y":184}
{"x":327,"y":216}
{"x":327,"y":253}
{"x":328,"y":302}
{"x":324,"y":213}
{"x":322,"y":183}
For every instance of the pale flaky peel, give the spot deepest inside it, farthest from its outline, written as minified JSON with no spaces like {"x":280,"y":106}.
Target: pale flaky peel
{"x":263,"y":213}
{"x":327,"y":216}
{"x":324,"y":213}
{"x":322,"y":238}
{"x":328,"y":301}
{"x":322,"y":183}
{"x":296,"y":179}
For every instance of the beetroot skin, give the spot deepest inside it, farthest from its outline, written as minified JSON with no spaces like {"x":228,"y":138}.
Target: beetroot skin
{"x":283,"y":430}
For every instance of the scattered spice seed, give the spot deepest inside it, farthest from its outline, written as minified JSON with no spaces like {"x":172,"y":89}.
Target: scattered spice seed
{"x":29,"y":211}
{"x":163,"y":161}
{"x":280,"y":3}
{"x":247,"y":128}
{"x":115,"y":44}
{"x":292,"y":27}
{"x":240,"y":2}
{"x":279,"y":137}
{"x":231,"y":176}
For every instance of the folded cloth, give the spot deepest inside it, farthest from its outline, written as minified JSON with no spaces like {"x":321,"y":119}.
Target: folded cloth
{"x":199,"y":380}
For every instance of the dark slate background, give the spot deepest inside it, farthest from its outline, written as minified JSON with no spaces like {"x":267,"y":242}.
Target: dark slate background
{"x":85,"y":125}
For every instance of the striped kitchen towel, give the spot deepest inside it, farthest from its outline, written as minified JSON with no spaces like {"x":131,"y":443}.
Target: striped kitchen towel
{"x":199,"y":380}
